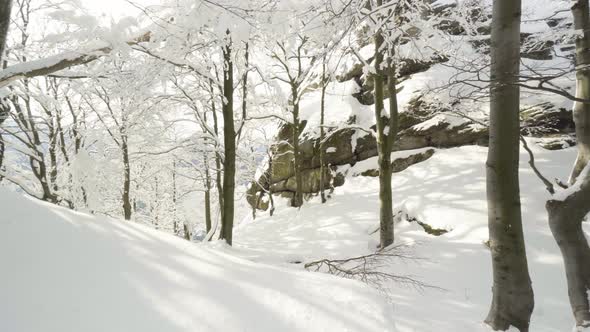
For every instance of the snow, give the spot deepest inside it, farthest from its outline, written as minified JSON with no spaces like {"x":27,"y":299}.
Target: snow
{"x":342,"y":106}
{"x":450,"y":120}
{"x":447,"y":192}
{"x":371,"y":163}
{"x":64,"y":271}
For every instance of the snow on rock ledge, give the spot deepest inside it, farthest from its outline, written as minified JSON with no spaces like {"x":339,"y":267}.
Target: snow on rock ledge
{"x":64,"y":271}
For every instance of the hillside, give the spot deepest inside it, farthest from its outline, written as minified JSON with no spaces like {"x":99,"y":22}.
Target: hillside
{"x":67,"y":271}
{"x":446,"y":192}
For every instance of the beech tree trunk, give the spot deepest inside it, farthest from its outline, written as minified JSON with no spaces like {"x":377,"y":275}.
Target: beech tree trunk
{"x":566,"y":215}
{"x":512,"y":299}
{"x":229,"y":139}
{"x":582,"y":110}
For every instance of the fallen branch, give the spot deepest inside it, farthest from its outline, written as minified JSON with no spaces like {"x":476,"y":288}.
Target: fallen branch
{"x":370,"y":268}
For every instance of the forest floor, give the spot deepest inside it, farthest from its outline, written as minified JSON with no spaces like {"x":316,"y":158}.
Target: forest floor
{"x":445,"y":192}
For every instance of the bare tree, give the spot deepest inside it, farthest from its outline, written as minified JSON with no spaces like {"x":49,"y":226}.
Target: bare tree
{"x":295,"y":65}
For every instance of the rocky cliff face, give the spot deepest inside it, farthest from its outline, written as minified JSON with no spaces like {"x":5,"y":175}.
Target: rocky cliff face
{"x":421,"y":126}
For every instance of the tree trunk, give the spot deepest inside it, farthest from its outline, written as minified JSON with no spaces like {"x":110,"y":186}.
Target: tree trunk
{"x":322,"y":133}
{"x":207,"y":198}
{"x":187,"y":232}
{"x":229,"y":139}
{"x":174,"y":198}
{"x":126,"y":179}
{"x":384,"y":150}
{"x":218,"y":179}
{"x":271,"y":200}
{"x":512,"y":299}
{"x":298,"y":197}
{"x":5,"y":9}
{"x":244,"y":90}
{"x":582,"y":110}
{"x":565,"y":221}
{"x":566,"y":216}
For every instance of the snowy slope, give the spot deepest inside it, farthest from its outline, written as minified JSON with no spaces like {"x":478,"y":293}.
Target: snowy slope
{"x":70,"y":272}
{"x":447,"y":191}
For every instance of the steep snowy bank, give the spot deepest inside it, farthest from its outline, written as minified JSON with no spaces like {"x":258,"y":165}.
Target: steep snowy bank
{"x":70,"y":272}
{"x":447,"y":191}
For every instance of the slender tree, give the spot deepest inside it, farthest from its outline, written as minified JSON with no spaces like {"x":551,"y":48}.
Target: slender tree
{"x":324,"y":85}
{"x":384,"y":77}
{"x":512,"y":299}
{"x":229,"y":140}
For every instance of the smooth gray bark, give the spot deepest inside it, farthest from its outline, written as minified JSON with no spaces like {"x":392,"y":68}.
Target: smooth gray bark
{"x":566,"y":216}
{"x":512,"y":294}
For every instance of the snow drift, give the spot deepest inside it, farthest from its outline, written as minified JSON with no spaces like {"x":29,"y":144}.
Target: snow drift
{"x":65,"y":271}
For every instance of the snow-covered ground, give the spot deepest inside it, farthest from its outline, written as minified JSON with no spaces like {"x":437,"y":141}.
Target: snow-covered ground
{"x":67,"y":271}
{"x":446,"y":191}
{"x":63,"y":271}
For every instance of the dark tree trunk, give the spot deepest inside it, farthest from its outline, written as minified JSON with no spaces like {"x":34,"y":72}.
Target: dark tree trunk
{"x":566,"y":215}
{"x":271,"y":200}
{"x":386,"y":132}
{"x":187,"y":232}
{"x":244,"y":90}
{"x":174,"y":198}
{"x":322,"y":132}
{"x":207,"y":197}
{"x":126,"y":180}
{"x":5,"y":9}
{"x":512,"y":299}
{"x":229,"y":139}
{"x":298,"y":197}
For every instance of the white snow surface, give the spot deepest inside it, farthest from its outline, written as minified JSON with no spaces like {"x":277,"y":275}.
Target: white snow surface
{"x":447,"y":191}
{"x":69,"y":272}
